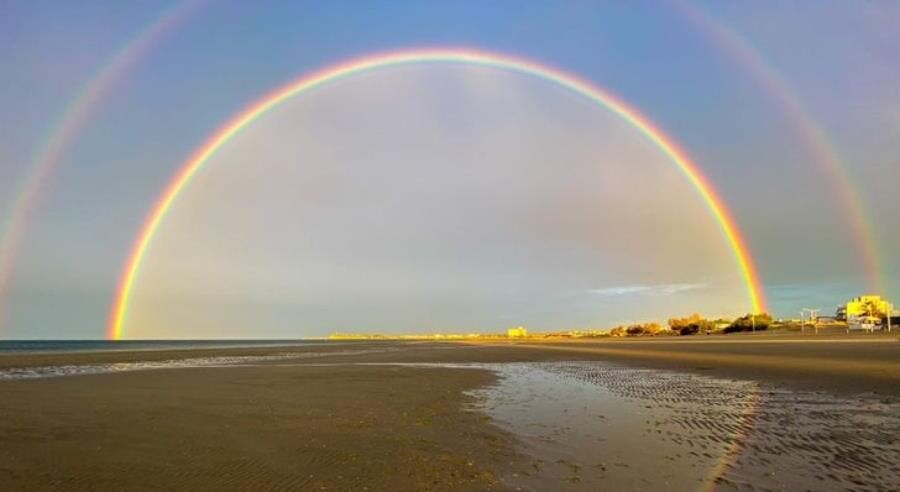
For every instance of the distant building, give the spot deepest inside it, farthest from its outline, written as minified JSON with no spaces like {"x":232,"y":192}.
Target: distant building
{"x":868,"y":305}
{"x":517,"y":332}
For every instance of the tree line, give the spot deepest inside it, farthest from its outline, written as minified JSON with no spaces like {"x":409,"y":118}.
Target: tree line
{"x":696,"y":324}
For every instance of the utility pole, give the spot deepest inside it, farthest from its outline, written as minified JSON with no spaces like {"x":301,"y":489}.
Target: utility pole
{"x":813,"y":319}
{"x":753,"y":322}
{"x":890,"y":311}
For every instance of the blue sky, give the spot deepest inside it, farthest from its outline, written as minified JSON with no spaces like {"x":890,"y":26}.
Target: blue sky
{"x":836,"y":57}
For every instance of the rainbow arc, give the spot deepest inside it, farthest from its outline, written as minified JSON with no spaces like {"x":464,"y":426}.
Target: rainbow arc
{"x":196,"y":162}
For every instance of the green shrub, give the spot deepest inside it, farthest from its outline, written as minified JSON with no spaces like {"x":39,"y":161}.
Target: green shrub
{"x":691,"y":325}
{"x":750,"y":322}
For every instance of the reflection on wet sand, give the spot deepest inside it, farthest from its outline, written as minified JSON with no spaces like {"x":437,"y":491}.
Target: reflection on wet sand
{"x":591,"y":424}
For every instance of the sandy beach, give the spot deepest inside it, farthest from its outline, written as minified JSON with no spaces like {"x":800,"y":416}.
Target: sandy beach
{"x":334,"y":427}
{"x":724,"y":413}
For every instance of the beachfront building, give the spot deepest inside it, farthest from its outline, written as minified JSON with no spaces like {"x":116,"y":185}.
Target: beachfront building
{"x":517,"y":332}
{"x":868,"y":305}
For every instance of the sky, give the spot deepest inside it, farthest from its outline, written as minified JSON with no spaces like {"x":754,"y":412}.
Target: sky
{"x":443,"y":197}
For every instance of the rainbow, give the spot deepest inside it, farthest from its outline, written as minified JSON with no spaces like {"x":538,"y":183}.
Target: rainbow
{"x":813,"y":137}
{"x":738,"y":440}
{"x":75,"y":116}
{"x":195,"y":163}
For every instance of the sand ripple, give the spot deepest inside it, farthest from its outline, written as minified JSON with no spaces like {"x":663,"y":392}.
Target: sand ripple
{"x":764,"y":438}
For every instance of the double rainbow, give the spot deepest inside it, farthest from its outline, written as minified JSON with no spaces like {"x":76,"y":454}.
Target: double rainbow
{"x":119,"y":309}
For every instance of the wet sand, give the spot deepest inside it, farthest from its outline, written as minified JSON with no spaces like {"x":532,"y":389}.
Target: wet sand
{"x":258,"y":427}
{"x":590,"y":425}
{"x":841,"y":364}
{"x":772,"y":414}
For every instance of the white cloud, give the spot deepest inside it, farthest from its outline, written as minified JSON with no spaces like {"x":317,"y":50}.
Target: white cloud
{"x":676,"y":288}
{"x":619,"y":291}
{"x":657,"y":289}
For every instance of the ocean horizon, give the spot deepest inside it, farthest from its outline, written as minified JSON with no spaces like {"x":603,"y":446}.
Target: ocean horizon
{"x":100,"y":345}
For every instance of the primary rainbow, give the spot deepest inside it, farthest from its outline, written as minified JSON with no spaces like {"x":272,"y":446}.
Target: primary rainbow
{"x":118,"y":310}
{"x":745,"y":425}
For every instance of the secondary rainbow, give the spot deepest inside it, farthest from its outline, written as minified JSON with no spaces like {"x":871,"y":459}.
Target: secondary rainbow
{"x":119,"y":309}
{"x":814,"y":139}
{"x":75,"y":116}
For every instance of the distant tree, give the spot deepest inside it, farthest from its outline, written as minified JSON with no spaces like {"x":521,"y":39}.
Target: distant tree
{"x":872,"y":308}
{"x":618,"y":331}
{"x":691,"y":325}
{"x":652,"y":328}
{"x":643,"y":329}
{"x":691,"y":329}
{"x":750,"y":322}
{"x":676,"y":324}
{"x":841,"y":314}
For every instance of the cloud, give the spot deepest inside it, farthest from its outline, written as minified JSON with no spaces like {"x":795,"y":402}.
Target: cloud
{"x":657,"y":289}
{"x":676,"y":288}
{"x":618,"y":291}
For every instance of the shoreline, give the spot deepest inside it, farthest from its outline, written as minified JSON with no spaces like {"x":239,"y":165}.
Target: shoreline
{"x":843,"y":364}
{"x":84,"y":357}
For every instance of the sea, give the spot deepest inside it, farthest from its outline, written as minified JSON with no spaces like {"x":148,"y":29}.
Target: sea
{"x":46,"y":346}
{"x":13,"y":347}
